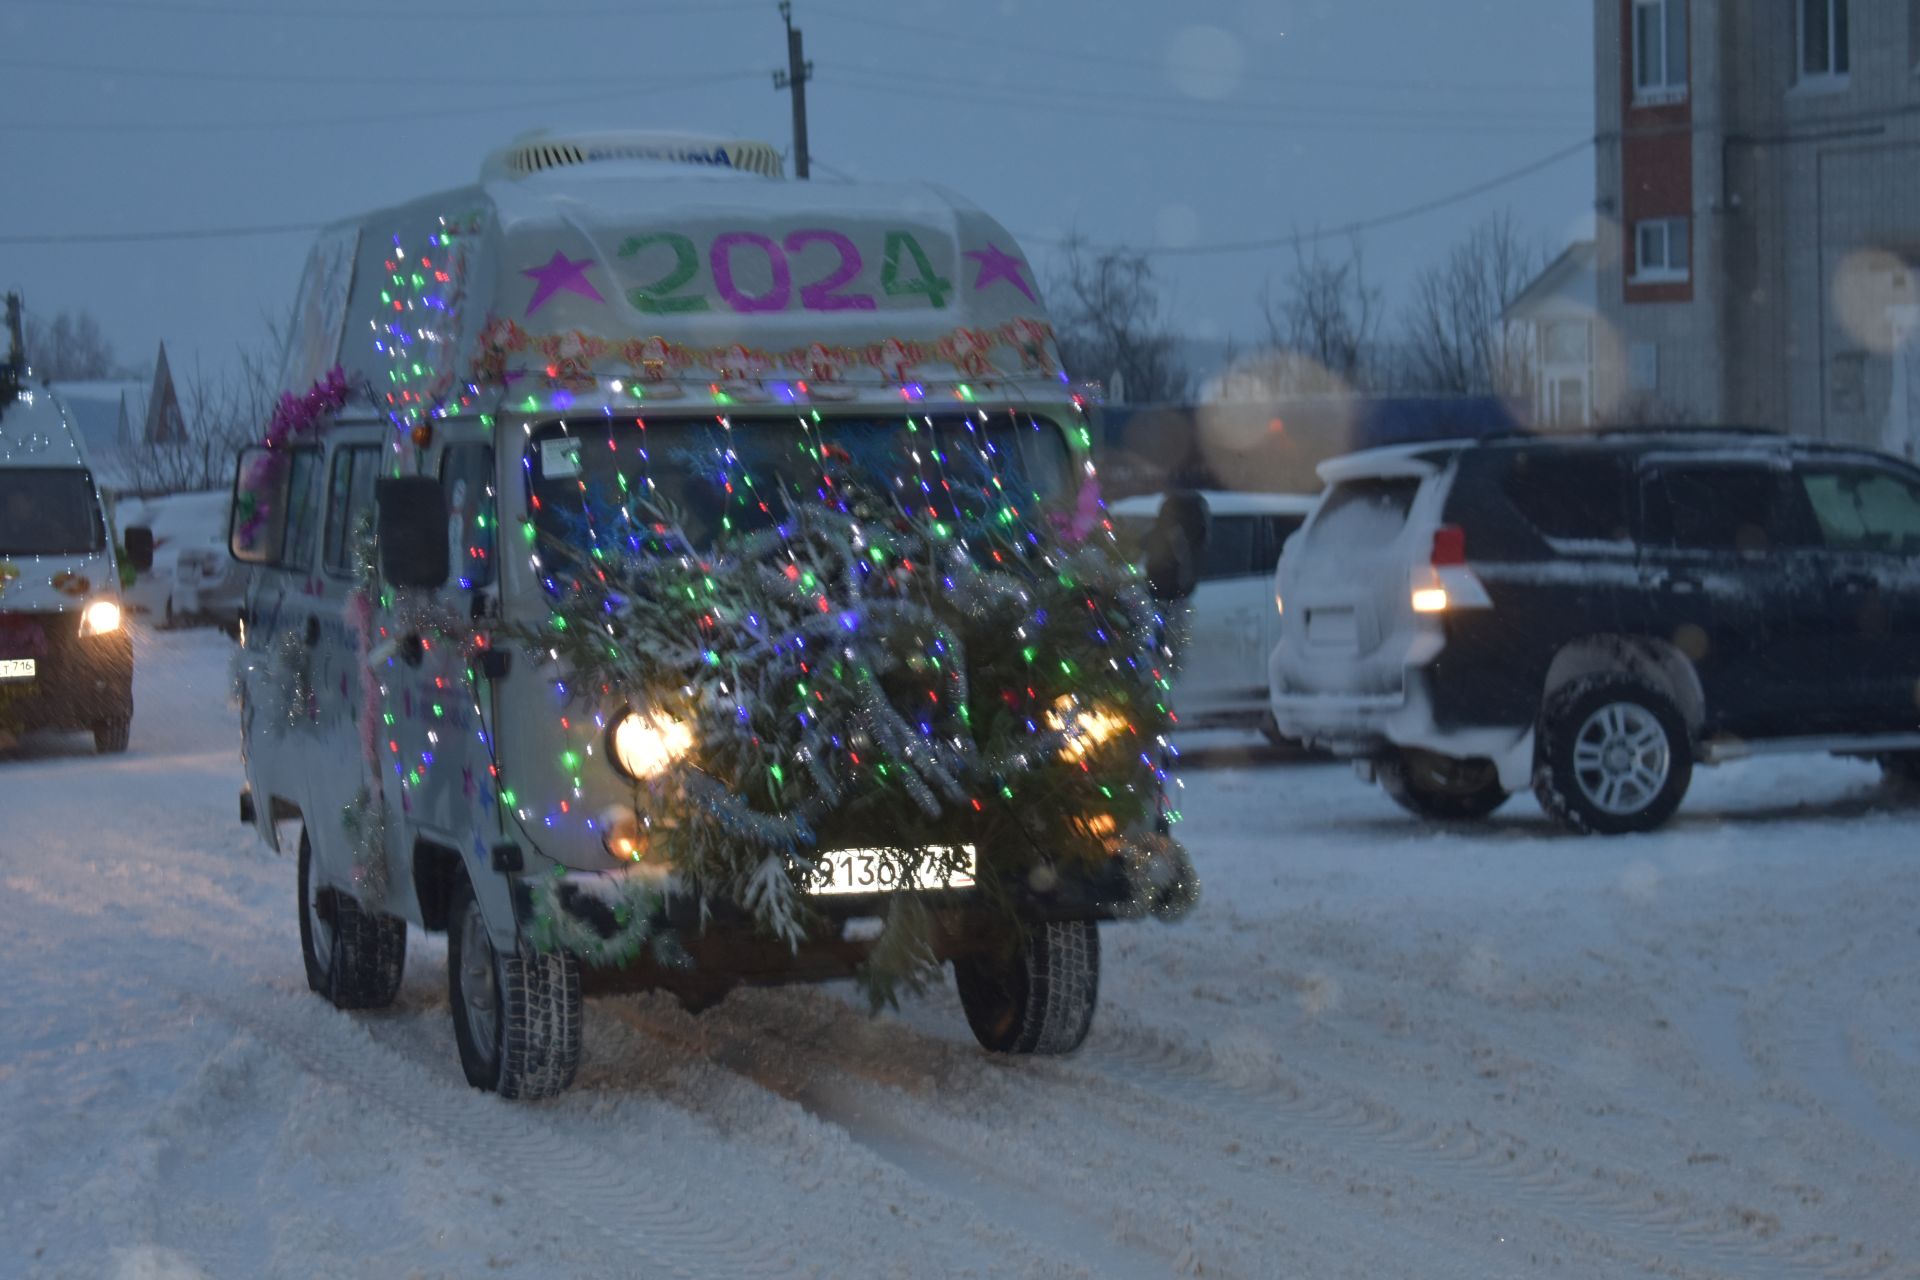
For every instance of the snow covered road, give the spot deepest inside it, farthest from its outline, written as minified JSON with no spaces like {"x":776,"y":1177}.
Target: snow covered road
{"x":1374,"y":1050}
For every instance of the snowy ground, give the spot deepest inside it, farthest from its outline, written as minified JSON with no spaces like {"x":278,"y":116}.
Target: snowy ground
{"x":1375,"y":1050}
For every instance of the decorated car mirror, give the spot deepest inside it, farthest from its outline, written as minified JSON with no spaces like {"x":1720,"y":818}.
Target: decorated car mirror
{"x":259,"y":516}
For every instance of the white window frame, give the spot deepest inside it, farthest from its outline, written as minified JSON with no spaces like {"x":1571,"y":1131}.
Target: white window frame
{"x":1829,"y":78}
{"x":1662,"y":273}
{"x":1672,"y":85}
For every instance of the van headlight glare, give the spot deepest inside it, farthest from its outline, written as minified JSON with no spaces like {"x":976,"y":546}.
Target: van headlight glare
{"x":101,"y":617}
{"x":645,"y":745}
{"x":1085,"y":727}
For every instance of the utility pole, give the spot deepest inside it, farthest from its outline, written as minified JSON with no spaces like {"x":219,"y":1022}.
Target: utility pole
{"x":13,"y":372}
{"x":794,"y":80}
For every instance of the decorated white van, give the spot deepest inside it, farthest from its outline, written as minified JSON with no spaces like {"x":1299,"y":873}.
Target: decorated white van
{"x":674,"y":577}
{"x":66,"y":660}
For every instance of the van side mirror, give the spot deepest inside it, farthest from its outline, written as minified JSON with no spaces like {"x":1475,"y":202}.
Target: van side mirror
{"x":1175,"y":543}
{"x":412,"y":524}
{"x":257,"y":517}
{"x":139,"y":542}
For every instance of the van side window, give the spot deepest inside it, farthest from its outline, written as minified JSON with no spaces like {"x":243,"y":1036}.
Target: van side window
{"x":303,"y":509}
{"x":349,"y":503}
{"x":1274,"y":532}
{"x":466,"y":476}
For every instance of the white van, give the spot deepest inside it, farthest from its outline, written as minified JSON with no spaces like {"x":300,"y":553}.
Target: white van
{"x":663,"y":573}
{"x":66,"y":660}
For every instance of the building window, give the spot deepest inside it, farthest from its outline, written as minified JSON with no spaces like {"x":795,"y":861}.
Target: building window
{"x":1659,"y":51}
{"x":1824,"y":44}
{"x":1661,"y":250}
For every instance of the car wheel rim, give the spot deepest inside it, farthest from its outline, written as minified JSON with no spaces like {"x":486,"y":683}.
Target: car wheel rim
{"x":319,"y":927}
{"x":479,"y":990}
{"x":1621,"y":758}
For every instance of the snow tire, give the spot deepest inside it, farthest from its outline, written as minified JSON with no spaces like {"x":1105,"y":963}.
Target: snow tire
{"x":110,"y":737}
{"x":354,"y":957}
{"x":529,"y":1046}
{"x":1037,"y":997}
{"x":1440,"y":788}
{"x":1571,"y":714}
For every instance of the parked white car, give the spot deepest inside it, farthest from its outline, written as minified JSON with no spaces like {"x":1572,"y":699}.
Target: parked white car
{"x":193,"y":578}
{"x":1233,"y":625}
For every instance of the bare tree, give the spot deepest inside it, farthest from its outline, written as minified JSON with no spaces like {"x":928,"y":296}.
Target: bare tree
{"x":1455,"y":338}
{"x":72,"y":348}
{"x":1323,"y":330}
{"x":224,"y":412}
{"x":1109,"y":321}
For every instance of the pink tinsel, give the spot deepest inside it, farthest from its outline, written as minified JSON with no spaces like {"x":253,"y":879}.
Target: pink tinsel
{"x":1074,"y":529}
{"x":293,"y":416}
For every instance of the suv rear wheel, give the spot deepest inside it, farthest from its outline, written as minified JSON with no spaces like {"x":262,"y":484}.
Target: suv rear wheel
{"x":1439,"y":787}
{"x":354,"y":957}
{"x":1615,"y":756}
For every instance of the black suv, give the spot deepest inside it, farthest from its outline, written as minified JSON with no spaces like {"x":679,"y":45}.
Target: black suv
{"x":1593,"y":615}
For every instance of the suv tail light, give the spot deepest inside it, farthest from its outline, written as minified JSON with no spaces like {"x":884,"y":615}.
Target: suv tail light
{"x":1446,"y":583}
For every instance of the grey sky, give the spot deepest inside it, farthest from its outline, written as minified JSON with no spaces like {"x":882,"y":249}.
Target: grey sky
{"x":1136,"y":122}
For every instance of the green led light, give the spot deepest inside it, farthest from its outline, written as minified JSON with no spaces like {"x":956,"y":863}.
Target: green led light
{"x":506,"y":796}
{"x":570,"y":760}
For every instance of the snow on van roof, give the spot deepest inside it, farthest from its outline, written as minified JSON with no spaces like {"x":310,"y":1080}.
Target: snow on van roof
{"x":37,"y":430}
{"x":683,"y":283}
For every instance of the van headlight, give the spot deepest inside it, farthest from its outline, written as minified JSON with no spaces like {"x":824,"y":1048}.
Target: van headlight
{"x":99,"y":618}
{"x":645,"y":745}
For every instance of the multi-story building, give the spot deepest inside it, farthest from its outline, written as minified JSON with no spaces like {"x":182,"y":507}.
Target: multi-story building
{"x":1758,"y":192}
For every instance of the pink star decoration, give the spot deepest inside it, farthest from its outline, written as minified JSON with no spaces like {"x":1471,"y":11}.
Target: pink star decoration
{"x":997,"y":264}
{"x":561,"y":274}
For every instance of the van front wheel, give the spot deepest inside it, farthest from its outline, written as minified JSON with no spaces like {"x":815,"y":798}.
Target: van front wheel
{"x":1036,"y":996}
{"x":516,"y":1016}
{"x":110,"y":736}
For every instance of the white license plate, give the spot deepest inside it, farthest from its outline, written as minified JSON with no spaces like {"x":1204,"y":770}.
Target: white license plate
{"x":877,"y":871}
{"x":16,"y":668}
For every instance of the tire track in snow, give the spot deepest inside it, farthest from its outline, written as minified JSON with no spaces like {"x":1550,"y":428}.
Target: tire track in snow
{"x":1589,"y":1203}
{"x":930,"y":1087}
{"x":1052,"y":1223}
{"x":1609,"y":1204}
{"x":607,"y":1197}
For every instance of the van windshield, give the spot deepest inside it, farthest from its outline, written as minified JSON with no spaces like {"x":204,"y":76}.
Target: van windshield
{"x":744,"y":473}
{"x":49,"y":511}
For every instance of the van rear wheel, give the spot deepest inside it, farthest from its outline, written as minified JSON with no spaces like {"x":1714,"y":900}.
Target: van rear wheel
{"x":516,"y":1016}
{"x":354,"y":956}
{"x":1037,"y":995}
{"x":1429,"y":785}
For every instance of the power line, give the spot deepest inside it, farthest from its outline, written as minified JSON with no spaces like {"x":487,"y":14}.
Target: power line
{"x":383,"y":117}
{"x":148,"y":237}
{"x":1245,"y":246}
{"x":215,"y":8}
{"x":1080,"y":57}
{"x":1157,"y":105}
{"x":1351,"y":228}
